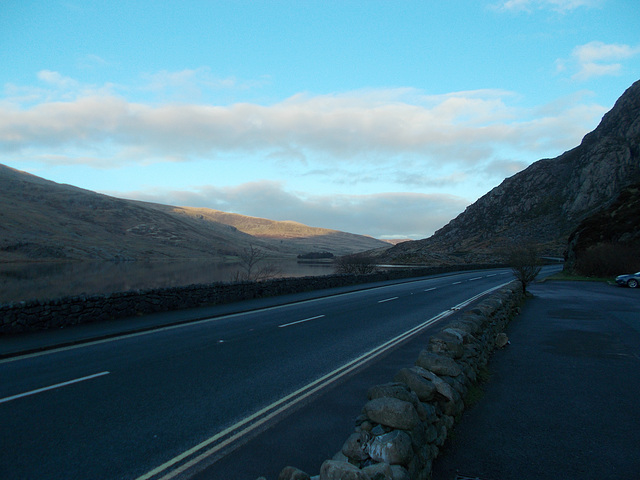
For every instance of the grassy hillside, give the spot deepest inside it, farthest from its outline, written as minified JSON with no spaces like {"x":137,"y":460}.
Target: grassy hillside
{"x":43,"y":220}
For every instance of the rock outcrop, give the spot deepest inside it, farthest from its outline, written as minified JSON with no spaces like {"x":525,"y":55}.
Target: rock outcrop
{"x":544,"y":203}
{"x":616,"y":226}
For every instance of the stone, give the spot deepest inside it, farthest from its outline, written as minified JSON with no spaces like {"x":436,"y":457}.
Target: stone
{"x":393,"y":448}
{"x":399,"y":472}
{"x":396,"y":390}
{"x":501,"y":340}
{"x":292,"y":473}
{"x":401,"y":391}
{"x":438,"y":364}
{"x":446,"y":345}
{"x":442,"y":387}
{"x":379,"y":471}
{"x":333,"y":470}
{"x":392,"y":412}
{"x":422,"y":387}
{"x":355,"y":447}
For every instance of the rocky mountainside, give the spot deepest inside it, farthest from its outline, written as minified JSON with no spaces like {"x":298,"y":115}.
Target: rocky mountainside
{"x":616,"y":226}
{"x":544,"y":203}
{"x":43,"y":220}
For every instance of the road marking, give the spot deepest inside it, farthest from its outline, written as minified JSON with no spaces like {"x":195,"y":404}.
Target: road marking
{"x":456,"y":283}
{"x":492,"y":275}
{"x":262,"y":416}
{"x":388,"y":299}
{"x":300,"y":321}
{"x":57,"y":385}
{"x":429,"y":289}
{"x":476,"y":278}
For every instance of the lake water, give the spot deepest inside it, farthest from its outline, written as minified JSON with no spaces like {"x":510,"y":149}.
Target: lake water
{"x":44,"y":281}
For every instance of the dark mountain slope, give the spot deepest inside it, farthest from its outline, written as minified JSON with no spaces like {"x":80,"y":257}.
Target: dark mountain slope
{"x":544,"y":203}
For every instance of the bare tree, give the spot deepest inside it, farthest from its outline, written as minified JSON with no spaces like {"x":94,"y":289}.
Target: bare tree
{"x":252,"y":267}
{"x":524,"y":261}
{"x":355,"y":264}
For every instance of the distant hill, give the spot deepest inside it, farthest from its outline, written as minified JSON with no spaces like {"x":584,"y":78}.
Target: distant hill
{"x":544,"y":203}
{"x":44,"y":220}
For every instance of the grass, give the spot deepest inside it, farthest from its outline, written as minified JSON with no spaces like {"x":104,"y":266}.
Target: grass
{"x":476,"y":390}
{"x":566,"y":276}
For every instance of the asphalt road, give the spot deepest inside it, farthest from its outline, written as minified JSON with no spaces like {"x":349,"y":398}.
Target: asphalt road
{"x":122,"y":407}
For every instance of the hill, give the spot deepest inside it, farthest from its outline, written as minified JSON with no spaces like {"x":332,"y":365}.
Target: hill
{"x":43,"y":220}
{"x":544,"y":203}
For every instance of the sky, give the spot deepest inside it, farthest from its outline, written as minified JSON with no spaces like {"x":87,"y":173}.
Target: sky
{"x":378,"y":117}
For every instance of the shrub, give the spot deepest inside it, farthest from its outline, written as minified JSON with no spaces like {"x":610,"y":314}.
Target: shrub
{"x":358,"y":264}
{"x":606,"y":260}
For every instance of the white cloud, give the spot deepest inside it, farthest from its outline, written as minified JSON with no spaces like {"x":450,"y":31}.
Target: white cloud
{"x":596,"y":59}
{"x":386,"y":214}
{"x":561,"y":6}
{"x":376,"y":125}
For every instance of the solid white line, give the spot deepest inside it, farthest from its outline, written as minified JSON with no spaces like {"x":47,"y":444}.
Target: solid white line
{"x":388,"y":299}
{"x":300,"y":321}
{"x":58,"y":385}
{"x":302,"y":393}
{"x":429,"y":289}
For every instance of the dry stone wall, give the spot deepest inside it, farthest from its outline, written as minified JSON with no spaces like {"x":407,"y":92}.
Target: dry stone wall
{"x":44,"y":314}
{"x":405,"y":422}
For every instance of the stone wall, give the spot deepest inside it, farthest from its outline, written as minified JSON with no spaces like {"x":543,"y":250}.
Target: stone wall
{"x":44,"y":314}
{"x":404,"y":423}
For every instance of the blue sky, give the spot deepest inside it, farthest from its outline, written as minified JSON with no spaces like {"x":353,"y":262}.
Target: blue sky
{"x":384,"y":118}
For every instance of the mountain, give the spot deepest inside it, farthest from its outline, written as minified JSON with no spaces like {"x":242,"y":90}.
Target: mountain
{"x":614,"y":231}
{"x":544,"y":203}
{"x":44,"y":220}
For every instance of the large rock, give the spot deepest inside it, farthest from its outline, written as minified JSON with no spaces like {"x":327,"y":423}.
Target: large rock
{"x":393,"y":448}
{"x":292,"y":473}
{"x":392,"y":412}
{"x":379,"y":471}
{"x":355,"y":447}
{"x":333,"y":470}
{"x":438,"y":364}
{"x":425,"y":389}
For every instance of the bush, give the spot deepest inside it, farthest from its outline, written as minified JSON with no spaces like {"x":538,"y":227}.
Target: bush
{"x":607,"y":260}
{"x":357,"y":264}
{"x":524,"y":261}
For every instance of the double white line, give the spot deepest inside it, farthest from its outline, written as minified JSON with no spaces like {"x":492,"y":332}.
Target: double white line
{"x":226,"y":437}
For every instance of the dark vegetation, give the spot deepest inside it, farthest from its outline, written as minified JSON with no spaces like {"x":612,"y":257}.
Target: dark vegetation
{"x":608,"y":260}
{"x":525,"y":263}
{"x":355,"y":264}
{"x":316,"y":256}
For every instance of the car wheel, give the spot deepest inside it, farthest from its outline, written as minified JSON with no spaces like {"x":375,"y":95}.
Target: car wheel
{"x":633,"y":283}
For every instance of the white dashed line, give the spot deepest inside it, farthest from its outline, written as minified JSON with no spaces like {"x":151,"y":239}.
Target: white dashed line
{"x":300,"y":321}
{"x":388,"y":299}
{"x":57,"y":385}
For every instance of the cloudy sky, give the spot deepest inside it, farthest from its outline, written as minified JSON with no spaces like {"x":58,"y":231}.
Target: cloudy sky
{"x":379,"y":117}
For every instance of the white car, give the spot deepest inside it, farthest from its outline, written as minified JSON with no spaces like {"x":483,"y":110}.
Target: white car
{"x":631,"y":281}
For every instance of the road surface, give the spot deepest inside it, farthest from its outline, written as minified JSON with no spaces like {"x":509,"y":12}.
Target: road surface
{"x":141,"y":406}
